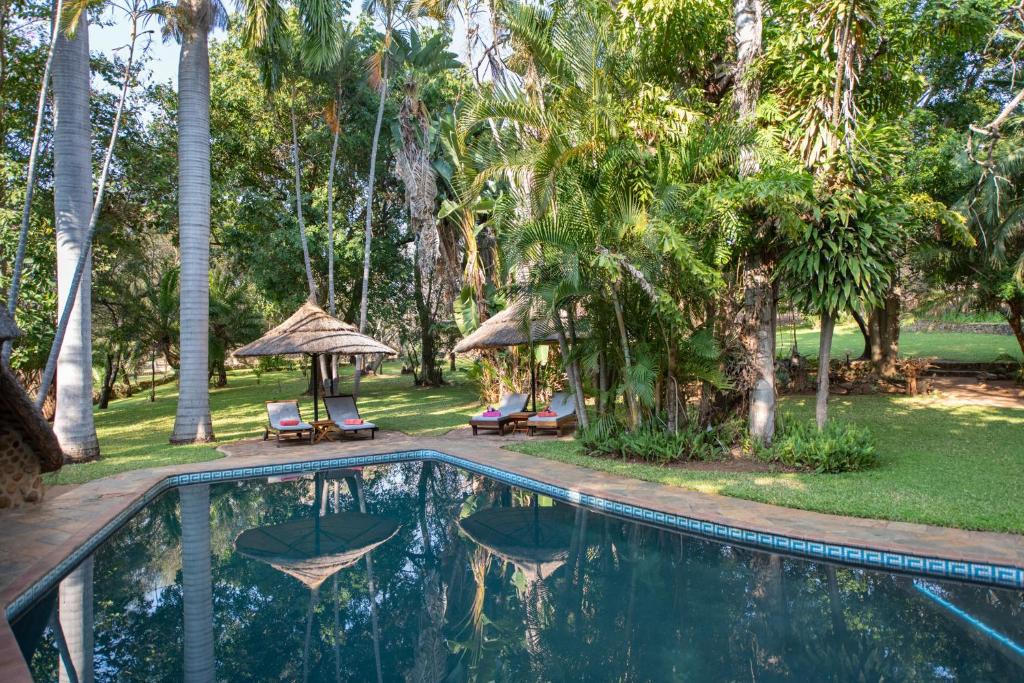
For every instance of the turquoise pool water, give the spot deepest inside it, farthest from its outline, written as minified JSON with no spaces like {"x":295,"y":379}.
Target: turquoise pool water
{"x":424,"y":572}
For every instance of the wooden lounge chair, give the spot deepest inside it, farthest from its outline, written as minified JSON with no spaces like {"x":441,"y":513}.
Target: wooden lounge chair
{"x":509,"y":406}
{"x":564,"y":407}
{"x":341,"y":408}
{"x":278,"y":411}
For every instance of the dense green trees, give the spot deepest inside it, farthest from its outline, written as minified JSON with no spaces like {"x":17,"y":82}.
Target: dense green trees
{"x":649,"y":180}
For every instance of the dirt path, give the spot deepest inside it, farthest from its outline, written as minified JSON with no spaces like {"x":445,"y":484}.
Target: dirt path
{"x":968,"y":391}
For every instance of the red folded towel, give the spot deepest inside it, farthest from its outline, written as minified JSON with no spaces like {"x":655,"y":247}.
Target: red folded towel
{"x":290,"y":422}
{"x":353,"y":421}
{"x":547,"y":413}
{"x":492,"y":413}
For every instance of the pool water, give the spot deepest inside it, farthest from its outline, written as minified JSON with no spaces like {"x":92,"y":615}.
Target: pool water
{"x":424,"y":572}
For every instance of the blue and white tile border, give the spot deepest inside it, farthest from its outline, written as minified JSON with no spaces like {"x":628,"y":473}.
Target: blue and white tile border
{"x":974,"y":572}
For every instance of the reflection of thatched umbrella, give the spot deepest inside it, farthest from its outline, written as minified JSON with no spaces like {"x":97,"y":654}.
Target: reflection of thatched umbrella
{"x":314,"y":548}
{"x":314,"y":331}
{"x":535,"y":539}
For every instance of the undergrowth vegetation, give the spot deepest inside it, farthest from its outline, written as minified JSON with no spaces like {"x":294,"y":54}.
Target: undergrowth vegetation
{"x":839,"y":447}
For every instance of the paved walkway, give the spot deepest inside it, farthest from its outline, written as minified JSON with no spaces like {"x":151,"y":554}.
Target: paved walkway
{"x":35,"y":540}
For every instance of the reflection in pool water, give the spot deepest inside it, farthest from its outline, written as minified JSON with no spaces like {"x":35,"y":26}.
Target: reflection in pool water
{"x":425,"y":572}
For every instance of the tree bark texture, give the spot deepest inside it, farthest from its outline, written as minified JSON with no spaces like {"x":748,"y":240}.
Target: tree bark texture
{"x":884,"y":325}
{"x":759,"y":339}
{"x":192,"y":423}
{"x":72,"y":151}
{"x":828,"y":323}
{"x":196,"y":583}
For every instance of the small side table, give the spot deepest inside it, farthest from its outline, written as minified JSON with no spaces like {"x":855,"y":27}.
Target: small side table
{"x":322,"y":429}
{"x":519,"y":419}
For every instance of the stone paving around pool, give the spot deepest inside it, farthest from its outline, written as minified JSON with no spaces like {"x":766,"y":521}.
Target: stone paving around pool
{"x":34,"y":540}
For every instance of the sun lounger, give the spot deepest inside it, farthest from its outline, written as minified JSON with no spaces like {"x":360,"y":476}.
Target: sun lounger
{"x":509,"y":406}
{"x":563,"y":405}
{"x":280,"y":415}
{"x":342,"y":408}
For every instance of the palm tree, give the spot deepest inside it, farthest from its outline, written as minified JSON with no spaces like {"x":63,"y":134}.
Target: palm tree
{"x":73,"y":205}
{"x":192,"y":23}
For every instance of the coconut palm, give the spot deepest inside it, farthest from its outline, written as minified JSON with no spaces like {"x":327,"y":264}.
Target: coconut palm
{"x":73,"y":204}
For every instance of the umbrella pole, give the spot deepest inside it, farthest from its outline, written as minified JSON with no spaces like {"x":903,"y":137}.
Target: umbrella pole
{"x":533,"y":379}
{"x":316,"y":391}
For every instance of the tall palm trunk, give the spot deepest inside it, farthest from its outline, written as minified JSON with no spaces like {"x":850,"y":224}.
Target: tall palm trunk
{"x":759,"y":292}
{"x":298,"y":202}
{"x":192,"y":423}
{"x":196,"y":583}
{"x":26,"y":213}
{"x":76,"y":621}
{"x":72,"y":151}
{"x":368,"y":228}
{"x":330,"y":247}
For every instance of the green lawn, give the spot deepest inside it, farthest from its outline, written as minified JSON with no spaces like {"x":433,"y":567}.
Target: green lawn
{"x":133,"y":432}
{"x":959,"y":467}
{"x":960,"y":346}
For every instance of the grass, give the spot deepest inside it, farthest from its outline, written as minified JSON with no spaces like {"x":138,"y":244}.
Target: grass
{"x":134,"y":433}
{"x":950,"y":466}
{"x":958,"y":346}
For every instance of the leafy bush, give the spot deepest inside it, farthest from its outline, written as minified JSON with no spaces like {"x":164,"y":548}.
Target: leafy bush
{"x":651,"y":442}
{"x":839,"y":447}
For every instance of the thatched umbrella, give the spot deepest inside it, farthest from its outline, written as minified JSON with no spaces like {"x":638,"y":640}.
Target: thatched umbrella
{"x":313,"y":330}
{"x":508,"y":328}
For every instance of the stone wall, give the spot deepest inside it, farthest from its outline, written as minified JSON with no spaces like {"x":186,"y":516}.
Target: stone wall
{"x":20,"y":477}
{"x":975,"y":328}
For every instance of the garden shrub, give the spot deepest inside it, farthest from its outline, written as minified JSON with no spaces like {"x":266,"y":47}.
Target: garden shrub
{"x":840,"y":447}
{"x":651,"y":442}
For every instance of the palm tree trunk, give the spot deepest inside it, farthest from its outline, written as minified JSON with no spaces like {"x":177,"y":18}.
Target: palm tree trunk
{"x":574,"y":380}
{"x":76,"y":621}
{"x":368,"y":228}
{"x":26,"y":212}
{"x":759,"y":301}
{"x":72,"y":151}
{"x":298,"y":202}
{"x":828,"y":323}
{"x":192,"y":423}
{"x":634,"y":416}
{"x":196,"y":583}
{"x":330,"y":249}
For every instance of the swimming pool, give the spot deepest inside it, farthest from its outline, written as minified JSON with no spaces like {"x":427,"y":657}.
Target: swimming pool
{"x":424,"y":571}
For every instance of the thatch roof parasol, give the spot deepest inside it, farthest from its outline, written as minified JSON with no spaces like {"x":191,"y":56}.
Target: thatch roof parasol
{"x":312,"y":330}
{"x":313,"y":549}
{"x":506,"y":328}
{"x":534,"y":539}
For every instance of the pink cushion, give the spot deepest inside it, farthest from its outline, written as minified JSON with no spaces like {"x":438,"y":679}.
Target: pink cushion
{"x":290,"y":422}
{"x":353,"y":421}
{"x":547,"y":413}
{"x":492,"y":413}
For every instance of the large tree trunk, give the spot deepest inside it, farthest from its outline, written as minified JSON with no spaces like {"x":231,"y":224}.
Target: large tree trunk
{"x":72,"y":151}
{"x":759,"y":293}
{"x":109,"y":379}
{"x":864,"y":332}
{"x":884,"y":325}
{"x":368,"y":226}
{"x":430,"y":373}
{"x":192,"y":424}
{"x":759,"y":338}
{"x":828,"y":323}
{"x":1016,"y":320}
{"x":196,"y":583}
